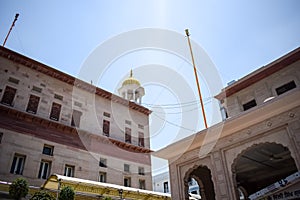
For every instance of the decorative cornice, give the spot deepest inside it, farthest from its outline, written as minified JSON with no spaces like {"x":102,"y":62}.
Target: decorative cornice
{"x":61,"y":76}
{"x":26,"y":123}
{"x":260,"y":74}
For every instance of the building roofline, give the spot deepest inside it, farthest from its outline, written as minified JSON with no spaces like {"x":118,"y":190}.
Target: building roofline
{"x":260,"y":74}
{"x":206,"y":137}
{"x":61,"y":76}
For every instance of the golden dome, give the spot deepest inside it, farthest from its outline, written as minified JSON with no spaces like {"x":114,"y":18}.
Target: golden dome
{"x":131,"y":80}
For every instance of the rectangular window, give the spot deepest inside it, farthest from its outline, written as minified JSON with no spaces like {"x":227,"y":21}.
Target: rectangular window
{"x":48,"y":150}
{"x":18,"y":164}
{"x":69,"y":171}
{"x":78,"y":104}
{"x":106,"y":127}
{"x":102,"y":177}
{"x":127,"y":181}
{"x":76,"y":115}
{"x":106,"y":114}
{"x":142,"y":184}
{"x":126,"y":168}
{"x":127,"y":122}
{"x":1,"y":136}
{"x":33,"y":104}
{"x":141,"y":171}
{"x":141,"y":139}
{"x":8,"y":96}
{"x":45,"y":168}
{"x":102,"y":162}
{"x":59,"y":97}
{"x":286,"y":87}
{"x":224,"y":113}
{"x":13,"y":80}
{"x":166,"y":187}
{"x":127,"y":135}
{"x":141,"y":126}
{"x":249,"y":105}
{"x":55,"y":111}
{"x":36,"y":89}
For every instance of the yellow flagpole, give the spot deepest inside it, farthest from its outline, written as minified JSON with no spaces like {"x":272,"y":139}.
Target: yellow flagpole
{"x":13,"y":24}
{"x":196,"y":76}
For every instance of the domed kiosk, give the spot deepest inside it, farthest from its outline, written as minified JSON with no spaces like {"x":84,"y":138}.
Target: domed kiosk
{"x":131,"y":89}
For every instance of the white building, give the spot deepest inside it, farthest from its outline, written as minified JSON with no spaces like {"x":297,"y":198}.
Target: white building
{"x":50,"y":122}
{"x":161,"y":182}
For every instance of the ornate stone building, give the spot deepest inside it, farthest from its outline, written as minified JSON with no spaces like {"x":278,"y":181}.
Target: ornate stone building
{"x":254,"y":152}
{"x":50,"y":122}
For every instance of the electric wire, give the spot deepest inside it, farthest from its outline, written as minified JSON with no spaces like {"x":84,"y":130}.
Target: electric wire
{"x":184,"y":111}
{"x":173,"y":123}
{"x":177,"y":105}
{"x":19,"y":40}
{"x":170,"y":80}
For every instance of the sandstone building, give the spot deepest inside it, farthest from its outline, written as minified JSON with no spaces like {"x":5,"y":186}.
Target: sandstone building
{"x":50,"y":122}
{"x":254,"y":152}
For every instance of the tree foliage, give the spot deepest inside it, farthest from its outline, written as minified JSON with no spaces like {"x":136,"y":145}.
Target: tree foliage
{"x":19,"y":188}
{"x":67,"y":193}
{"x":42,"y":195}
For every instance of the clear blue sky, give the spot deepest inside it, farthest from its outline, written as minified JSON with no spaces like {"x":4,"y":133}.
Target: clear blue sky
{"x":239,"y":36}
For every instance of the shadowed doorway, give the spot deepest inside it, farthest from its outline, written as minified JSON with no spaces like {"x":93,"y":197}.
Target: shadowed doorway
{"x":203,"y":177}
{"x":262,"y":165}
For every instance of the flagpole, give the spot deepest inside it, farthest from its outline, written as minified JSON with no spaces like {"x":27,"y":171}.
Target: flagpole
{"x":13,"y":24}
{"x":196,"y":76}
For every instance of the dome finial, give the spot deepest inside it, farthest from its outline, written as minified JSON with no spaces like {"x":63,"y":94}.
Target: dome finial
{"x":131,"y":89}
{"x":130,"y":80}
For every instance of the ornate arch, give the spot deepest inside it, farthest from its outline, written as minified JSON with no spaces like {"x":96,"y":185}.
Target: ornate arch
{"x":190,"y":174}
{"x":242,"y":152}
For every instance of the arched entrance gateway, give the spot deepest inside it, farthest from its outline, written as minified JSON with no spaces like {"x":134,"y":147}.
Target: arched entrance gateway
{"x":260,"y":166}
{"x":203,"y":177}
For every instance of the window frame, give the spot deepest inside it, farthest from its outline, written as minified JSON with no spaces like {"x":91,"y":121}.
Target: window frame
{"x":16,"y":166}
{"x":106,"y":114}
{"x":106,"y":127}
{"x":166,"y":187}
{"x":55,"y":114}
{"x":126,"y":168}
{"x":70,"y":167}
{"x":102,"y":177}
{"x":142,"y":184}
{"x":140,"y":126}
{"x":286,"y":87}
{"x":8,"y":96}
{"x":31,"y":101}
{"x":128,"y":135}
{"x":42,"y":169}
{"x":51,"y":149}
{"x":141,"y":171}
{"x":103,"y":162}
{"x":250,"y":104}
{"x":128,"y":181}
{"x":1,"y":137}
{"x":76,"y":117}
{"x":141,"y":139}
